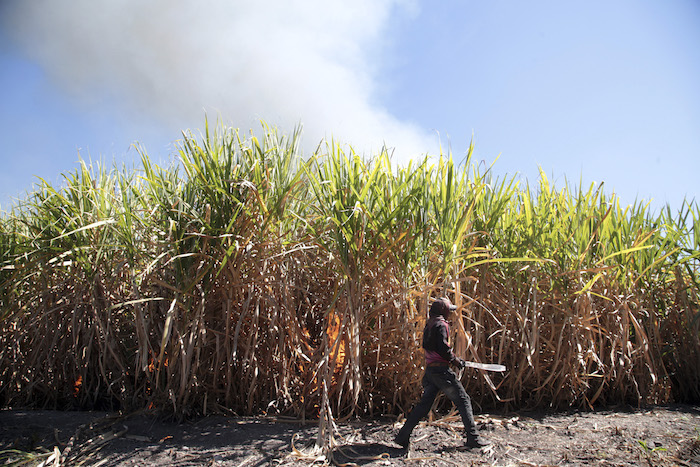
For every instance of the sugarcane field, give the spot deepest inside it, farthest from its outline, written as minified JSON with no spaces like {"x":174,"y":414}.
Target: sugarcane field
{"x":256,"y":304}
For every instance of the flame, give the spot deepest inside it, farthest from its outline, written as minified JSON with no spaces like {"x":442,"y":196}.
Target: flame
{"x":153,"y":364}
{"x":333,"y":330}
{"x":76,"y":386}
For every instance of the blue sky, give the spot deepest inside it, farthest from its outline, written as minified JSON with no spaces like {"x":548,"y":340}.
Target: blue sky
{"x":590,"y":92}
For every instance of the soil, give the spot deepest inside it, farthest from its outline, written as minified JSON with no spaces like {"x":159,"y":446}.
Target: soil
{"x":662,"y":436}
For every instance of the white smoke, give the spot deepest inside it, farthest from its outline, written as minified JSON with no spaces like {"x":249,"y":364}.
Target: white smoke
{"x":314,"y":62}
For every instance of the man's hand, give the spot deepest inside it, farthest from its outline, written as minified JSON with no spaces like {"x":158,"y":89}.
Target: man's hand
{"x":459,"y":363}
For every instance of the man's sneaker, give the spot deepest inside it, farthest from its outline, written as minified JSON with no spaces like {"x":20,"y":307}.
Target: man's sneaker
{"x":476,"y":442}
{"x":403,"y":442}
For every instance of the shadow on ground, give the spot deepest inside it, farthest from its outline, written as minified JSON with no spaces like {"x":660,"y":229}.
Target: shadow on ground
{"x":366,"y":453}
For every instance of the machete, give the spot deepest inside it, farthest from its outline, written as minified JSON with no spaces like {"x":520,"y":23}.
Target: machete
{"x":485,"y":366}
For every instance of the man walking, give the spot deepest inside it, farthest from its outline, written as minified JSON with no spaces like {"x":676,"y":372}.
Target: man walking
{"x":439,"y":377}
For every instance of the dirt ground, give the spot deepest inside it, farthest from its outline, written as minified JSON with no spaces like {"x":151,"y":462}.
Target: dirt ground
{"x":660,"y":436}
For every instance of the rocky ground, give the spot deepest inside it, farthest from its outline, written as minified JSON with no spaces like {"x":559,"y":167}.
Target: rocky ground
{"x":659,"y":436}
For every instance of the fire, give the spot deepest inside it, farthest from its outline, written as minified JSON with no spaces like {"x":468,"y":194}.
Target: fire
{"x":333,"y":330}
{"x":76,"y":386}
{"x":153,"y":363}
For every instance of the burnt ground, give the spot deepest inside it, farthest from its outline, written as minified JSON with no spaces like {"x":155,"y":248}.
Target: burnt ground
{"x":662,"y":436}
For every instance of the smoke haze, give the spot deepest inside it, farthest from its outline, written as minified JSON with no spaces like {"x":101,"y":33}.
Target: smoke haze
{"x":314,"y":62}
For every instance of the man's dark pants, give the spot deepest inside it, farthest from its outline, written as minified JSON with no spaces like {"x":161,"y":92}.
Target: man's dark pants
{"x":436,"y":379}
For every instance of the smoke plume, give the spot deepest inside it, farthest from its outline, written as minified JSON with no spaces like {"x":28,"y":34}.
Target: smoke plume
{"x":310,"y":62}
